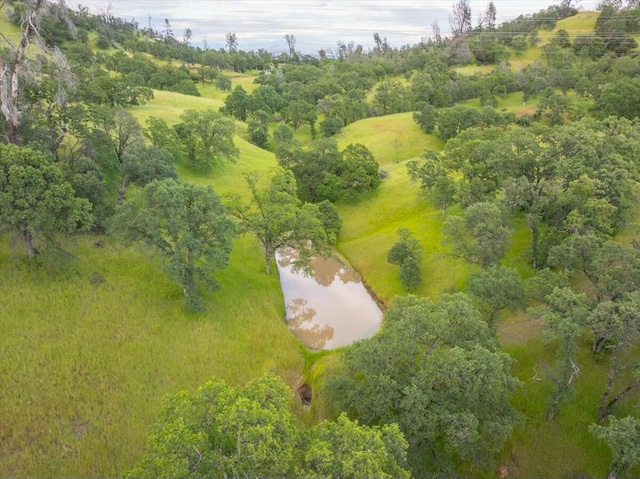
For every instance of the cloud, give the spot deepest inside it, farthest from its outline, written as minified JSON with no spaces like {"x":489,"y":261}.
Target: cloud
{"x":315,"y":23}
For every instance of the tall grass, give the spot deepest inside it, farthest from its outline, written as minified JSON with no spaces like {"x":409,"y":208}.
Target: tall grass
{"x":89,"y":350}
{"x":170,"y":105}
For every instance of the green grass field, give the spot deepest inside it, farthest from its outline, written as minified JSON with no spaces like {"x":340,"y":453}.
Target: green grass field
{"x":9,"y":30}
{"x":584,"y":23}
{"x":91,"y":354}
{"x":391,"y":138}
{"x":169,"y":106}
{"x":88,"y":352}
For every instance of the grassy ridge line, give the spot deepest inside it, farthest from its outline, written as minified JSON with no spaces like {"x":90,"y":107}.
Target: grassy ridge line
{"x":584,"y":23}
{"x":390,"y":138}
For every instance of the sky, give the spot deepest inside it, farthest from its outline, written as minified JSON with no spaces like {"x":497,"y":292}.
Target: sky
{"x":316,"y":24}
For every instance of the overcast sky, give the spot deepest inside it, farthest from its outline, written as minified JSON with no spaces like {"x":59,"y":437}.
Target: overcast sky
{"x":316,"y":24}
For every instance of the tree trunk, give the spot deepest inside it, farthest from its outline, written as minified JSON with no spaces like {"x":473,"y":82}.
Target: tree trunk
{"x":619,"y":396}
{"x":603,"y":410}
{"x":10,"y":78}
{"x":267,"y":259}
{"x":122,"y":189}
{"x":28,"y":240}
{"x":534,"y":245}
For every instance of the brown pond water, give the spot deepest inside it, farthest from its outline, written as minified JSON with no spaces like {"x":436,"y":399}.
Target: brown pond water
{"x":330,"y":308}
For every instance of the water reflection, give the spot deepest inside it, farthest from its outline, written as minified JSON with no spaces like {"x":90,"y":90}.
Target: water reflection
{"x":324,"y":270}
{"x":328,"y":308}
{"x":301,"y":319}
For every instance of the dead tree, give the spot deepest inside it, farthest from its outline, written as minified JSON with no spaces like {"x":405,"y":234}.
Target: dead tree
{"x":11,"y":69}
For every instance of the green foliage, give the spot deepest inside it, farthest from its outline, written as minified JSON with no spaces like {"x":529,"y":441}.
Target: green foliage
{"x":555,"y":107}
{"x":487,"y":48}
{"x":434,"y":179}
{"x":619,"y":98}
{"x":323,"y":172}
{"x":220,"y":431}
{"x":392,"y":97}
{"x":331,"y":126}
{"x":452,"y":121}
{"x":299,"y":112}
{"x":188,"y":225}
{"x":623,"y":438}
{"x":406,"y":247}
{"x":173,"y":79}
{"x":223,"y":82}
{"x":519,"y":44}
{"x":436,"y":371}
{"x":497,"y":288}
{"x":237,"y":103}
{"x":207,"y":137}
{"x":410,"y":274}
{"x":614,"y":322}
{"x":164,"y":138}
{"x":280,"y":220}
{"x":346,"y":449}
{"x":354,"y":175}
{"x":480,"y":236}
{"x":407,"y":252}
{"x":426,"y":118}
{"x":563,"y":314}
{"x":145,"y":164}
{"x":258,"y":128}
{"x":266,"y":98}
{"x":331,"y":221}
{"x":35,"y":200}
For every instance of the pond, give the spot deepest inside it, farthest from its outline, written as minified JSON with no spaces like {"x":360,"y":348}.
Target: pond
{"x":329,"y":308}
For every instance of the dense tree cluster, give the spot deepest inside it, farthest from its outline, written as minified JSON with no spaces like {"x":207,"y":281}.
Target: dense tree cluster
{"x":221,"y":431}
{"x":434,"y":369}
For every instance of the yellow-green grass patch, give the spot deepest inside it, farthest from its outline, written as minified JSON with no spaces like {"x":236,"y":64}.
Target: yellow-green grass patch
{"x":390,"y":138}
{"x":170,"y":105}
{"x":88,"y":352}
{"x":584,"y":23}
{"x":474,"y":69}
{"x":531,"y":54}
{"x":563,"y":447}
{"x":228,"y":177}
{"x":8,"y":29}
{"x":245,"y":80}
{"x":370,"y":228}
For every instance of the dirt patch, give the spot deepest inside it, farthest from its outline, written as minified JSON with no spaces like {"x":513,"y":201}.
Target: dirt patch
{"x":519,"y":330}
{"x":527,"y":110}
{"x":305,"y":393}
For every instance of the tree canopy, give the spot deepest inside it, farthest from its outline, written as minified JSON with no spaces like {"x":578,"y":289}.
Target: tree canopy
{"x":280,"y":220}
{"x":221,"y":431}
{"x":35,"y":200}
{"x":185,"y":223}
{"x":435,"y":369}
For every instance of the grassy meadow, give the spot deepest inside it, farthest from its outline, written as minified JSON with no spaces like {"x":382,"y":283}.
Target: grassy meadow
{"x":89,"y":350}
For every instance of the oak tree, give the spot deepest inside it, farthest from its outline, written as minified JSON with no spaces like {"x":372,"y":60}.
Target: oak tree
{"x":186,"y":224}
